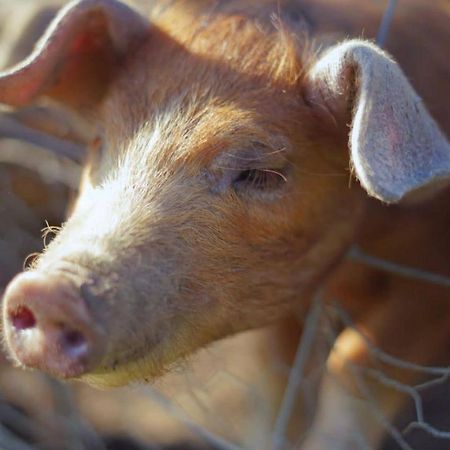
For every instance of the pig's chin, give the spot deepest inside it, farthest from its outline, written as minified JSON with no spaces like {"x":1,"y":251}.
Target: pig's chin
{"x":145,"y":369}
{"x":147,"y":366}
{"x":143,"y":365}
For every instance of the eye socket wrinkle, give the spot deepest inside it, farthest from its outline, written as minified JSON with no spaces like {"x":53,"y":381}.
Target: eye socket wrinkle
{"x":261,"y":179}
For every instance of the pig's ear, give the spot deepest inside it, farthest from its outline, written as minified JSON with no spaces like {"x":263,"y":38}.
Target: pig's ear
{"x":396,"y":147}
{"x":77,"y":56}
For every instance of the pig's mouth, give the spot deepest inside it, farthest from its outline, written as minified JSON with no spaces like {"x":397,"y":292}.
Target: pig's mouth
{"x":152,"y":356}
{"x":138,"y":366}
{"x":148,"y":361}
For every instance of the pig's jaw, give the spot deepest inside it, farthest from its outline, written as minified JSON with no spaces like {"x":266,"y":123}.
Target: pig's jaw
{"x":145,"y":368}
{"x":149,"y":364}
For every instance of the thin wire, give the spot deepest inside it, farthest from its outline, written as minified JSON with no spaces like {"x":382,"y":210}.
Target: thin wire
{"x":356,"y":254}
{"x":386,"y":23}
{"x":296,"y":375}
{"x":346,"y":320}
{"x":13,"y":129}
{"x":218,"y":442}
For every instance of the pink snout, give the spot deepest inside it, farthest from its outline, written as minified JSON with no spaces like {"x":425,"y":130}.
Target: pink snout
{"x":48,"y":326}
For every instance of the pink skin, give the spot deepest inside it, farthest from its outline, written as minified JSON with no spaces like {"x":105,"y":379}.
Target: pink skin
{"x":60,"y":338}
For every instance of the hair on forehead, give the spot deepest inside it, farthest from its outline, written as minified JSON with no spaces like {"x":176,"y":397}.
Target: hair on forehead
{"x":227,"y":31}
{"x":207,"y":72}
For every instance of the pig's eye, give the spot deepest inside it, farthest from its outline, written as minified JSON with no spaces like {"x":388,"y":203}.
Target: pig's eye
{"x":261,"y":179}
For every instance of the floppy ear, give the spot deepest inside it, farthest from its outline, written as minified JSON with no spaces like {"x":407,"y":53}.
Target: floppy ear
{"x":77,"y":56}
{"x":396,"y":147}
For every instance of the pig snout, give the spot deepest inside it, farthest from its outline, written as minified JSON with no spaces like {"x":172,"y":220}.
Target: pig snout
{"x":48,"y":326}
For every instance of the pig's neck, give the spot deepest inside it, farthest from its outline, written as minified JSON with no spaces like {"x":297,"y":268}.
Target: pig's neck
{"x":413,"y":234}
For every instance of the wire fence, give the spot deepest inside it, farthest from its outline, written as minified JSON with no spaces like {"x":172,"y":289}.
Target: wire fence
{"x":37,"y":412}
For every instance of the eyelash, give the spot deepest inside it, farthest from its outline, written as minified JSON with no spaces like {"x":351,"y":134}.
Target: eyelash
{"x":261,"y":179}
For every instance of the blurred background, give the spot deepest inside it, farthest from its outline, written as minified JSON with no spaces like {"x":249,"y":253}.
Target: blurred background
{"x":217,"y":400}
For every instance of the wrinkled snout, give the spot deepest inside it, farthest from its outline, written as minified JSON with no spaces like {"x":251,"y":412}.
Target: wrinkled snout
{"x":48,"y":326}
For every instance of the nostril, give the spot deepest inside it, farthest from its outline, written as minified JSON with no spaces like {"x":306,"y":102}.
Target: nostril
{"x":74,"y":338}
{"x":22,"y":318}
{"x":74,"y":343}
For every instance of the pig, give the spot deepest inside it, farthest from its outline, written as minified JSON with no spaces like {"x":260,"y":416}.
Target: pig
{"x":216,"y":197}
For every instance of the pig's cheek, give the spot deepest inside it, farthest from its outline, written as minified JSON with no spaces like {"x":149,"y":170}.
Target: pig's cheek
{"x":145,"y":340}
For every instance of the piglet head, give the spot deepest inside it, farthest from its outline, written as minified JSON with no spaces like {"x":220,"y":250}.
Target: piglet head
{"x":215,"y":196}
